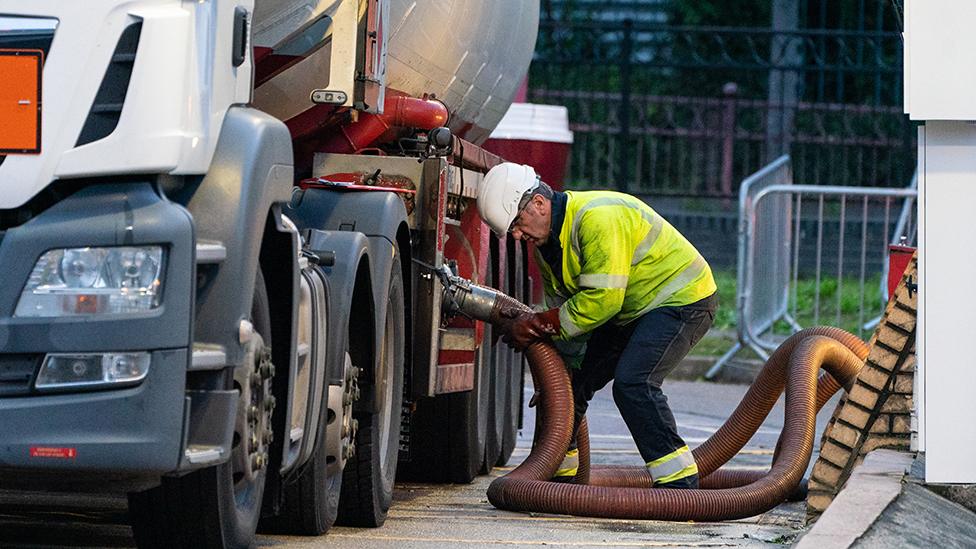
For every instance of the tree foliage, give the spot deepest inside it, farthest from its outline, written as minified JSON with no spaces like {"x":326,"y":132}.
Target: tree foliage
{"x":722,"y":13}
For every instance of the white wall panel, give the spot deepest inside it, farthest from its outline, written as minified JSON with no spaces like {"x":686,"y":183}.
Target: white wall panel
{"x":940,"y":68}
{"x":947,"y":306}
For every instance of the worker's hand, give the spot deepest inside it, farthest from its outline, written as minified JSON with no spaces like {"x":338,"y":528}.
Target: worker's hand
{"x":527,"y":328}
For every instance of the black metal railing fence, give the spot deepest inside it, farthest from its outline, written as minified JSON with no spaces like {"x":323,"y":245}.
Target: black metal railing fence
{"x":671,"y":110}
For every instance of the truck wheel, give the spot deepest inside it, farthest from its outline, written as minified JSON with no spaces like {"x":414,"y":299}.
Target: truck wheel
{"x":447,"y":432}
{"x":515,"y":365}
{"x":367,"y":483}
{"x":471,"y":429}
{"x":311,"y":500}
{"x":496,"y":410}
{"x":513,"y":390}
{"x":220,"y":506}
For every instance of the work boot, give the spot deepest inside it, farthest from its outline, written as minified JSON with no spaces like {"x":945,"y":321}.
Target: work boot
{"x":687,"y":482}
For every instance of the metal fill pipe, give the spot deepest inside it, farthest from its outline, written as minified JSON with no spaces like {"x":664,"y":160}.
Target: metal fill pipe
{"x":398,"y":111}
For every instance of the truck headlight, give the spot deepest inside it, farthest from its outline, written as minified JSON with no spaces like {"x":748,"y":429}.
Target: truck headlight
{"x":63,"y":370}
{"x":91,"y":281}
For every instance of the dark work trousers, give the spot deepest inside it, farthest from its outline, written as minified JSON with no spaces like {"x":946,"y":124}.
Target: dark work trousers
{"x":637,"y":357}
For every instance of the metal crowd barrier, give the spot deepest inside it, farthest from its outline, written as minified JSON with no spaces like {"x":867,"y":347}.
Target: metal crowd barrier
{"x":790,"y":234}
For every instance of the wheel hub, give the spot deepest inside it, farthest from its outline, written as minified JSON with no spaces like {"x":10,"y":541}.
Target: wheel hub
{"x":253,"y":434}
{"x":342,"y":427}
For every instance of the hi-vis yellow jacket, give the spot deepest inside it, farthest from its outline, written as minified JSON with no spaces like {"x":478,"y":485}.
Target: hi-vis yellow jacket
{"x":620,"y":259}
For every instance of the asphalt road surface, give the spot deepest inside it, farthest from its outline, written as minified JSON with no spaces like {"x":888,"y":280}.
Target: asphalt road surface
{"x":425,"y":515}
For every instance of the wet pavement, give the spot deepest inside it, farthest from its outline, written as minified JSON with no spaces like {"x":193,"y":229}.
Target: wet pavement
{"x":445,"y":516}
{"x":427,"y":515}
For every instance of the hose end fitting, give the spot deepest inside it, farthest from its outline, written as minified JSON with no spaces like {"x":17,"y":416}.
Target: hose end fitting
{"x":463,"y":297}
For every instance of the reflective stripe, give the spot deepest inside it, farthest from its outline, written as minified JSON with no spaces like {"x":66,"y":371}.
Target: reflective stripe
{"x":569,"y":466}
{"x":686,"y":472}
{"x":674,"y":466}
{"x":567,"y":324}
{"x":605,"y":201}
{"x":691,"y":272}
{"x":646,"y":244}
{"x":603,"y":281}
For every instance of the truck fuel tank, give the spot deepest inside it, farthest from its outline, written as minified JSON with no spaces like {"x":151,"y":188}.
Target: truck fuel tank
{"x":470,"y":54}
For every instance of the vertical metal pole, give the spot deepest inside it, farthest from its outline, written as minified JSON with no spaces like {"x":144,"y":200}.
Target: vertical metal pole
{"x":887,"y":221}
{"x":840,"y":257}
{"x":796,"y":253}
{"x":884,"y":246}
{"x":879,"y":44}
{"x":821,"y":77}
{"x":839,"y":88}
{"x":816,"y":289}
{"x":783,"y":83}
{"x":864,"y":249}
{"x":729,"y":90}
{"x":860,"y":29}
{"x":623,"y":161}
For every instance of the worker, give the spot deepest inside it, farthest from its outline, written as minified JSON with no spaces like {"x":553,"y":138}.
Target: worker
{"x":616,"y":274}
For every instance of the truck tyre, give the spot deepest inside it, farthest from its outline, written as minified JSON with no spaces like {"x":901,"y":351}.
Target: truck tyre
{"x":447,"y":432}
{"x":499,"y":375}
{"x":220,"y":506}
{"x":516,"y":361}
{"x":496,"y":410}
{"x":367,"y":484}
{"x":311,"y":499}
{"x":472,"y":429}
{"x":513,"y":390}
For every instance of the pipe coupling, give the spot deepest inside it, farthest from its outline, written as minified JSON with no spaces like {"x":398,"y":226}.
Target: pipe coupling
{"x":461,"y":296}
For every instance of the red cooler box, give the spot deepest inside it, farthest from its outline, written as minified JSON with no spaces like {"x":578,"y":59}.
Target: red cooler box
{"x":537,"y":135}
{"x":898,"y":259}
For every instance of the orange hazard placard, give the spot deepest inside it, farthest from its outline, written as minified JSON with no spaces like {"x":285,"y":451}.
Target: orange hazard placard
{"x":20,"y":101}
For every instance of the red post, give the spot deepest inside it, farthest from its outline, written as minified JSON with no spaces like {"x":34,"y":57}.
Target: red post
{"x":729,"y":90}
{"x":898,"y":259}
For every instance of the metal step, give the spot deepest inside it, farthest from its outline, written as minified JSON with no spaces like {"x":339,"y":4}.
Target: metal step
{"x":204,"y":455}
{"x":207,"y":356}
{"x":210,"y":251}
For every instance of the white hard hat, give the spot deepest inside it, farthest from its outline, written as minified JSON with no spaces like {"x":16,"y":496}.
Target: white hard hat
{"x":500,"y":194}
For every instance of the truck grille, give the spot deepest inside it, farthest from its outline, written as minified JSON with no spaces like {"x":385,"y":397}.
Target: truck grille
{"x":16,"y":373}
{"x":105,"y":111}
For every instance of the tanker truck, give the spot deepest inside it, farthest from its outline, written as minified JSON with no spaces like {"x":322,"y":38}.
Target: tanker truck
{"x":220,"y":228}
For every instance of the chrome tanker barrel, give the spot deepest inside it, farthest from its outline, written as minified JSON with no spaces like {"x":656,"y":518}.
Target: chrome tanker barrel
{"x":470,"y":54}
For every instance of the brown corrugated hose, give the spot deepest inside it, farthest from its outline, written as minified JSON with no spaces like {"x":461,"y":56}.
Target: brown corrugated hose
{"x":625,"y":492}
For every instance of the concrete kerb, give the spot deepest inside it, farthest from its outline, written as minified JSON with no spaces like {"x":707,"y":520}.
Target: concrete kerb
{"x":872,"y":486}
{"x":739,"y":371}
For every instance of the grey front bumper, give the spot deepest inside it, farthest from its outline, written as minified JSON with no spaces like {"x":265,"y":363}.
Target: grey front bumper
{"x":129,"y":433}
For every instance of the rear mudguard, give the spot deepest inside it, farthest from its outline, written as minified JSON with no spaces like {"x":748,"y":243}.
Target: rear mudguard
{"x":351,"y":266}
{"x":331,"y":221}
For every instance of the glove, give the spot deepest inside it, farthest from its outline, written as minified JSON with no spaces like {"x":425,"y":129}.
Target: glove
{"x":527,"y":328}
